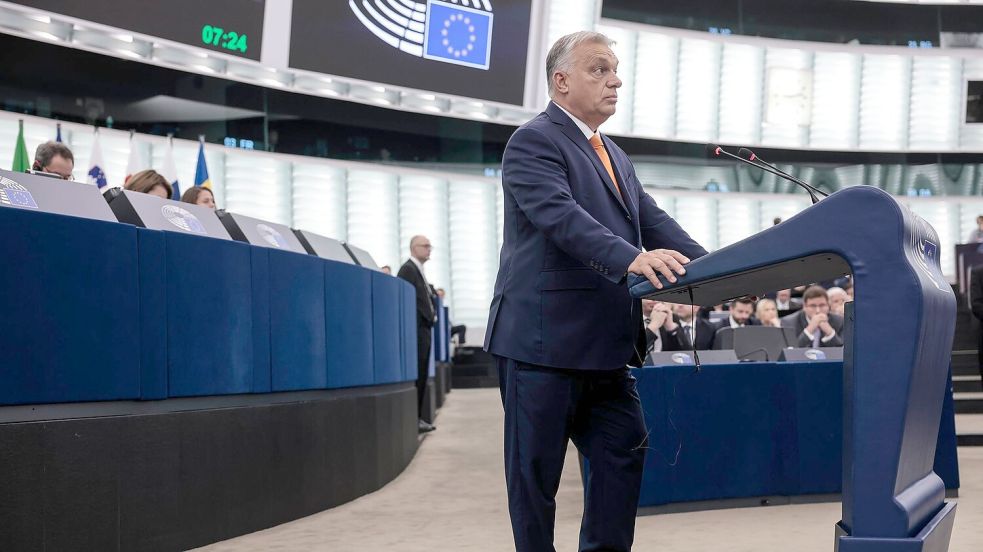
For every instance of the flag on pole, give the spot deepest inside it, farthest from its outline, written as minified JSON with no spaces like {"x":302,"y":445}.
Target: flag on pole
{"x":169,"y":170}
{"x":96,"y":174}
{"x":58,"y":132}
{"x":201,"y":171}
{"x":22,"y":161}
{"x":134,"y":164}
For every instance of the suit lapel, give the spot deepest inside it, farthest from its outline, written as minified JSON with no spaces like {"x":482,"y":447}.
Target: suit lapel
{"x":577,"y":137}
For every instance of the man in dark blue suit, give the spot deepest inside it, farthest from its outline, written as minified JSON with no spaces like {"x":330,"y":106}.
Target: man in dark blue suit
{"x":562,"y":326}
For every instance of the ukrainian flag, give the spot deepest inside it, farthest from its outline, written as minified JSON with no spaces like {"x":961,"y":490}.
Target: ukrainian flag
{"x":201,"y":171}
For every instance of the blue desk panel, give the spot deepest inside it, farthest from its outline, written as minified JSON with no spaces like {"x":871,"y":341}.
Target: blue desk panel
{"x":298,"y":338}
{"x":153,"y":314}
{"x":385,"y":328}
{"x":69,"y":313}
{"x":210,"y":317}
{"x":408,"y":329}
{"x":348,"y":300}
{"x":752,"y":429}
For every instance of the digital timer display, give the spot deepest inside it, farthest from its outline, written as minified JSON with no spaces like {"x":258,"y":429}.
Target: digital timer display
{"x":228,"y":40}
{"x":233,"y":27}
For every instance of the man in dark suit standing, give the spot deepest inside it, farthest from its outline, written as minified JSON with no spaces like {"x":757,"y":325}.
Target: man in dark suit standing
{"x":412,"y":272}
{"x":814,"y":325}
{"x":562,"y":325}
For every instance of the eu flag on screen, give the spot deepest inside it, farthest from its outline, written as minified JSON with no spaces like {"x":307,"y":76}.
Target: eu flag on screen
{"x":458,"y":35}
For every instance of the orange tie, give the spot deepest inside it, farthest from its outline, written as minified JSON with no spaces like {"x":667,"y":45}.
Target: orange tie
{"x":595,"y":141}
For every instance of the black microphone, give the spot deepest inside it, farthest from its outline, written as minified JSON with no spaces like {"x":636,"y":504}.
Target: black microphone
{"x":716,"y":151}
{"x":753,"y":157}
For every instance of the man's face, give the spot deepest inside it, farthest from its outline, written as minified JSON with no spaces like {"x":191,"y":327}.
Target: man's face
{"x":60,"y":166}
{"x":647,"y":306}
{"x":816,"y":305}
{"x":836,"y":302}
{"x":420,"y":249}
{"x":784,"y":295}
{"x":684,"y":312}
{"x":590,"y":89}
{"x":740,"y":312}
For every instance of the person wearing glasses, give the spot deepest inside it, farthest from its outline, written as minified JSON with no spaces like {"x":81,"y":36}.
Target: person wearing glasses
{"x":54,"y":158}
{"x":412,"y":272}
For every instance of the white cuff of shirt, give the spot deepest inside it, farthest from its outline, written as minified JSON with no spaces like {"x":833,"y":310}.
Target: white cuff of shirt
{"x":825,"y":339}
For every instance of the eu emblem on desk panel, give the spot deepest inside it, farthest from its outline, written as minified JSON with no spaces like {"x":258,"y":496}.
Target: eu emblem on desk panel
{"x":52,"y":195}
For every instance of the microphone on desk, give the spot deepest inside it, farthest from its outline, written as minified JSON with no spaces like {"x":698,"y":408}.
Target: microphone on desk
{"x":716,"y":151}
{"x":753,"y":157}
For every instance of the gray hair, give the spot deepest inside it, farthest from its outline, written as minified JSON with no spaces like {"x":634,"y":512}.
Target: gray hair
{"x":48,"y":150}
{"x":559,"y":56}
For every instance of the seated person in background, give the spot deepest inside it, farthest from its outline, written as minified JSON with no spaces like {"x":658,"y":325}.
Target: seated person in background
{"x":386,"y":269}
{"x":838,"y":299}
{"x":459,"y":330}
{"x":976,"y":236}
{"x":199,"y":195}
{"x":54,"y":158}
{"x":814,"y":325}
{"x":740,"y":313}
{"x":685,"y":327}
{"x":848,"y":288}
{"x":656,"y":315}
{"x":785,"y":303}
{"x":149,"y":182}
{"x":767,"y":314}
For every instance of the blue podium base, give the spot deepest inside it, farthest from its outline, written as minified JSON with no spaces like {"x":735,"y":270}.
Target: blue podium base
{"x":934,"y":537}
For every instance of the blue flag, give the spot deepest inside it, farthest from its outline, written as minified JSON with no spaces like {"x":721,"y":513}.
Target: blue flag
{"x":459,"y":35}
{"x":201,"y":171}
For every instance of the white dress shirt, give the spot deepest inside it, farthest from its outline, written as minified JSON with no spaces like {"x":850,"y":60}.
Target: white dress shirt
{"x":588,"y":133}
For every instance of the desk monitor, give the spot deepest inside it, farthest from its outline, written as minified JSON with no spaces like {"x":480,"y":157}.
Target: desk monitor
{"x":362,"y":257}
{"x":149,"y":211}
{"x":669,"y":358}
{"x":259,"y":232}
{"x":50,"y":195}
{"x":798,"y":354}
{"x":755,"y":342}
{"x":326,"y":248}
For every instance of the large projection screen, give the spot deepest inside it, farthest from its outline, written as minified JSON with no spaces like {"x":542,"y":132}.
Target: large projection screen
{"x":470,"y":48}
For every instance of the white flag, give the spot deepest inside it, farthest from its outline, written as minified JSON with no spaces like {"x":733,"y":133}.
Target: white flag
{"x":135,"y":163}
{"x":97,"y":172}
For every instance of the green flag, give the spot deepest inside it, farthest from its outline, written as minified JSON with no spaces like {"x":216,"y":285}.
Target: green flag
{"x":21,"y":161}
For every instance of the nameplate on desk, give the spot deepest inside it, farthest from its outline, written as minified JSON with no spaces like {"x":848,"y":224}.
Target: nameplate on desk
{"x":260,"y":232}
{"x":324,"y":247}
{"x":156,"y":213}
{"x":804,"y":354}
{"x":52,"y":195}
{"x":669,"y":358}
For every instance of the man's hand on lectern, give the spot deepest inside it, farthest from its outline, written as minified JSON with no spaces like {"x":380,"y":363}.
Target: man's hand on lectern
{"x":659,"y":261}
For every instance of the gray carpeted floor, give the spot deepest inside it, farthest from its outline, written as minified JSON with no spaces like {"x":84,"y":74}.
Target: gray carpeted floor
{"x":452,"y":497}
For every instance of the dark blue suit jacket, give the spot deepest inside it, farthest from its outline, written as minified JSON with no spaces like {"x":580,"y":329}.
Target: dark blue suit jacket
{"x":561,"y":299}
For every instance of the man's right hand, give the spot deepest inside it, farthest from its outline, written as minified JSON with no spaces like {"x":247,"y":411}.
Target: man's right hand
{"x":816,"y":321}
{"x":659,"y":261}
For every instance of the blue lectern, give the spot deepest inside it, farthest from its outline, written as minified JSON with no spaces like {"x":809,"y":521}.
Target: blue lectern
{"x":898,"y":338}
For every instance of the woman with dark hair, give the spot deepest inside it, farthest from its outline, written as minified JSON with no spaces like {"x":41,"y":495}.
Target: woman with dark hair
{"x":199,"y":195}
{"x":149,"y":182}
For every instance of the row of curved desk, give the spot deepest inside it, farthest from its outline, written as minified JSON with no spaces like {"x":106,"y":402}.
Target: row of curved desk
{"x":162,"y":391}
{"x":752,"y":433}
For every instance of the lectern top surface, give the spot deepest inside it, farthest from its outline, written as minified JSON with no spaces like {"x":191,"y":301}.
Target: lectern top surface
{"x":752,"y":281}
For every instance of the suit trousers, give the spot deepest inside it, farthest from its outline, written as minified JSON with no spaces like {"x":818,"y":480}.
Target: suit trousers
{"x":600,"y":411}
{"x":423,"y":339}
